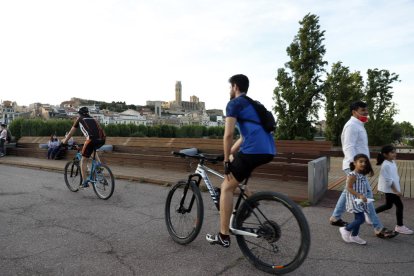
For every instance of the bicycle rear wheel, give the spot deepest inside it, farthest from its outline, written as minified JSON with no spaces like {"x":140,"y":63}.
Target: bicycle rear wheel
{"x":184,"y":212}
{"x":104,"y":182}
{"x":283,"y":240}
{"x":73,"y":177}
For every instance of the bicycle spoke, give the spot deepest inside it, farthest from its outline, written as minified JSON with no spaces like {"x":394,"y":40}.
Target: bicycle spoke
{"x":184,"y":212}
{"x":104,"y":182}
{"x":281,"y":232}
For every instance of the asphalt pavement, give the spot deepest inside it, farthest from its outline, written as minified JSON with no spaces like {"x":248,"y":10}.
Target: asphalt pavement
{"x":47,"y":230}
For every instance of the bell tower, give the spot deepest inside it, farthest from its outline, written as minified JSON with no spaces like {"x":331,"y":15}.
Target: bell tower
{"x":178,"y":91}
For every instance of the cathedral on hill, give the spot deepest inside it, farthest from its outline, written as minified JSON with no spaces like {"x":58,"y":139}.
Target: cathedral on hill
{"x":179,"y":105}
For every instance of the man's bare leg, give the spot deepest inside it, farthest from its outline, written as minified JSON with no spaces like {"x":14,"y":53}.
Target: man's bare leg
{"x":226,"y":203}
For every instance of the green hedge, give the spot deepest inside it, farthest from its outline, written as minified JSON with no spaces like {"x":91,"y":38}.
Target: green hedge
{"x":38,"y":127}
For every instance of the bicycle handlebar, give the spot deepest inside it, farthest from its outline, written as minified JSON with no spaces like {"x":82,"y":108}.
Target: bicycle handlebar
{"x":196,"y":154}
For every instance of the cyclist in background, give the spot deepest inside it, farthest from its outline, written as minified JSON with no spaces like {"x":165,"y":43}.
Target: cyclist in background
{"x":95,"y":138}
{"x":255,"y":147}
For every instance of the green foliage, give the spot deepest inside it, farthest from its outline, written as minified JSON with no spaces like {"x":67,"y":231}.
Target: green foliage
{"x":299,"y":89}
{"x":168,"y":131}
{"x":123,"y":130}
{"x":114,"y":106}
{"x":407,"y":129}
{"x":111,"y":130}
{"x":378,"y":96}
{"x":192,"y":131}
{"x":215,"y":131}
{"x":16,"y":127}
{"x":341,"y":89}
{"x":37,"y":127}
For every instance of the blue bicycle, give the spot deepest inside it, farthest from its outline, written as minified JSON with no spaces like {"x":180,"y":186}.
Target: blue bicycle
{"x":100,"y":176}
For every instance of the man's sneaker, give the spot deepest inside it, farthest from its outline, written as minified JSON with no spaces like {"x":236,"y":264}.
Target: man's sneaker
{"x":367,"y":219}
{"x":216,"y":239}
{"x":356,"y":239}
{"x":403,"y":230}
{"x":345,"y":234}
{"x":338,"y":222}
{"x":2,"y":154}
{"x":85,"y":184}
{"x":386,"y":234}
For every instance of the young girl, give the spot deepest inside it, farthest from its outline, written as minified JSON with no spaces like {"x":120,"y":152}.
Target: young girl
{"x":389,"y":183}
{"x":356,"y":188}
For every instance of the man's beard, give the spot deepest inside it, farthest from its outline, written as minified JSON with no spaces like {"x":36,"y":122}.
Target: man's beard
{"x":232,"y":96}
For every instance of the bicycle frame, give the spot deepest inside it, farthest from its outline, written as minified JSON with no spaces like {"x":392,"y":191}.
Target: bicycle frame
{"x":201,"y":173}
{"x":78,"y":157}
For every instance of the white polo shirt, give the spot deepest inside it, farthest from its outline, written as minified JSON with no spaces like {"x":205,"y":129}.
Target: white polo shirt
{"x":354,"y":140}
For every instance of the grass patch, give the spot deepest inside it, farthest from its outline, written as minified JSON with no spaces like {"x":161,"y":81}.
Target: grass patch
{"x":305,"y":203}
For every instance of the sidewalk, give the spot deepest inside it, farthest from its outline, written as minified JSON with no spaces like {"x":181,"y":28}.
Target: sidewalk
{"x":295,"y":190}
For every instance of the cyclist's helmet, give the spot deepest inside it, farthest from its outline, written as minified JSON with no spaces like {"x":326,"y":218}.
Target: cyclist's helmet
{"x":83,"y":110}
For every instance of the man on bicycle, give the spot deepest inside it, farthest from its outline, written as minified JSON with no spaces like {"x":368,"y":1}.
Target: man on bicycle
{"x":255,"y":147}
{"x":95,"y":138}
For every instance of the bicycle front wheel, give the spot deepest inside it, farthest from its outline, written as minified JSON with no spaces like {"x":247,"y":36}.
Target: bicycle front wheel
{"x":73,"y":177}
{"x":104,"y":182}
{"x":283,"y":236}
{"x":184,"y":212}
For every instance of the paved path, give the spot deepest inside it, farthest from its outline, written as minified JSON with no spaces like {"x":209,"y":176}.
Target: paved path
{"x":48,"y":230}
{"x":294,"y":189}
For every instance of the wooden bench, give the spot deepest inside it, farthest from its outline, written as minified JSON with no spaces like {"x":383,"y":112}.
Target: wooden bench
{"x":297,"y":162}
{"x":290,"y":164}
{"x":29,"y":146}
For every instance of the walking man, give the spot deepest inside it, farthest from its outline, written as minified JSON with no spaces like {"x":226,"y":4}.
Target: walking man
{"x":354,"y":140}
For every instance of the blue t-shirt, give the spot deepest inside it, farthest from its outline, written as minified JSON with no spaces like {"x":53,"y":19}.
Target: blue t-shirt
{"x":255,"y":139}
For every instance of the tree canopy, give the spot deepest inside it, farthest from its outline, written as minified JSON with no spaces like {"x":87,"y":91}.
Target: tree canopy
{"x":299,"y":89}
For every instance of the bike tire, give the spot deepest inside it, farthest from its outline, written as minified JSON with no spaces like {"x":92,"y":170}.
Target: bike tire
{"x":104,"y":182}
{"x":283,"y":231}
{"x":73,"y":176}
{"x":184,"y":224}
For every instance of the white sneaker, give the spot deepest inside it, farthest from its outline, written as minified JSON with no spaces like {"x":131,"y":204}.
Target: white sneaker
{"x":345,"y":234}
{"x":367,"y":219}
{"x":403,"y":230}
{"x":356,"y":239}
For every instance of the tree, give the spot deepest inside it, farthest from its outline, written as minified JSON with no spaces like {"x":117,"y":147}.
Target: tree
{"x":378,"y":96}
{"x":341,"y":89}
{"x":299,"y":89}
{"x":407,"y":129}
{"x":402,"y":130}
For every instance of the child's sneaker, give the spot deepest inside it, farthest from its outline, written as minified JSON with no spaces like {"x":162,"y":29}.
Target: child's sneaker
{"x":357,"y":239}
{"x":217,"y":239}
{"x":367,"y":219}
{"x":403,"y":230}
{"x":337,"y":222}
{"x":345,"y":234}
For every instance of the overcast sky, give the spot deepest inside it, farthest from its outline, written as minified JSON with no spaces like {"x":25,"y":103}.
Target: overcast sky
{"x":135,"y":51}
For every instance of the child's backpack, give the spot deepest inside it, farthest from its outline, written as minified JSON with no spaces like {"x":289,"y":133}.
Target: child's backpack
{"x":267,"y":120}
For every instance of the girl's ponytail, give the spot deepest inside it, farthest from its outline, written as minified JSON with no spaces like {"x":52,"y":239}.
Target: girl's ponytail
{"x":352,"y":166}
{"x":380,"y":158}
{"x":385,"y":150}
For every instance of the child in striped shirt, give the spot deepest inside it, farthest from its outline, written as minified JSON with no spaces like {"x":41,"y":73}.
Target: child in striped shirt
{"x":356,"y":188}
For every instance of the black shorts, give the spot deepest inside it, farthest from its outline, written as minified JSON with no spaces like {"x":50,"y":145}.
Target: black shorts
{"x":90,"y":146}
{"x":243,"y":164}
